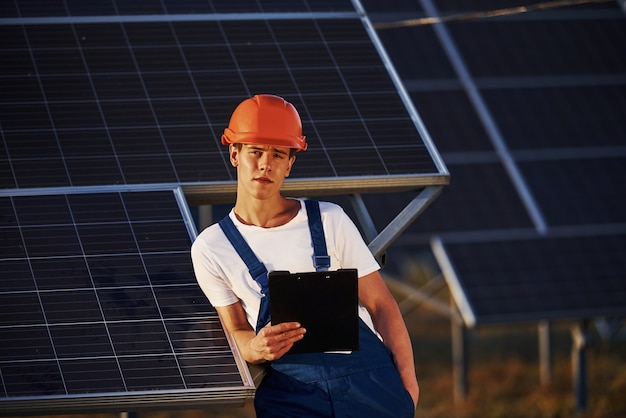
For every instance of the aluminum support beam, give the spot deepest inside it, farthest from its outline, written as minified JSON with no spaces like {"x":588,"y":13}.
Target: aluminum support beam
{"x":415,"y":208}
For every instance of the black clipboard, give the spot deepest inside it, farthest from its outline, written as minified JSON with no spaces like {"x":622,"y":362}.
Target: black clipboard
{"x":325,"y":303}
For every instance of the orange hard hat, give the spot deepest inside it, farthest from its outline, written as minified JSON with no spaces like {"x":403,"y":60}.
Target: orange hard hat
{"x":265,"y":119}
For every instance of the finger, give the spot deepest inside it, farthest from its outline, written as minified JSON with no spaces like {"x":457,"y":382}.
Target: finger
{"x":280,"y":349}
{"x":284,"y":340}
{"x":270,"y":331}
{"x":276,"y":341}
{"x":285,"y":326}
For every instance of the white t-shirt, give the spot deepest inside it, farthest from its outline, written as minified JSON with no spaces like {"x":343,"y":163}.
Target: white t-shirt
{"x":224,"y":277}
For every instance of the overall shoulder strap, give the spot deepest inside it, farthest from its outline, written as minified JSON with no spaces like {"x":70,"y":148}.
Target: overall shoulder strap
{"x":255,"y":267}
{"x":321,"y":260}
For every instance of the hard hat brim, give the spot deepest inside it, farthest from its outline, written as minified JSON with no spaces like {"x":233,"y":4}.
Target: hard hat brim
{"x":296,"y":142}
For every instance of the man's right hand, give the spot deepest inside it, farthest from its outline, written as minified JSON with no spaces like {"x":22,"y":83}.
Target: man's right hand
{"x":274,"y":341}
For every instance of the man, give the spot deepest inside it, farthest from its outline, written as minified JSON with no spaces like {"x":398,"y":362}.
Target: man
{"x":378,"y":380}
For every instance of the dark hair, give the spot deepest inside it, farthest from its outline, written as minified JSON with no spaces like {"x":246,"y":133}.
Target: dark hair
{"x":238,"y":145}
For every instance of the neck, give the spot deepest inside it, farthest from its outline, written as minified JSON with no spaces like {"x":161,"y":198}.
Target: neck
{"x":266,"y":213}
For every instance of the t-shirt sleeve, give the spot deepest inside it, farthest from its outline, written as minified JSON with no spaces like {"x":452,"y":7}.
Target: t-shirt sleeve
{"x":208,"y":275}
{"x":350,"y":248}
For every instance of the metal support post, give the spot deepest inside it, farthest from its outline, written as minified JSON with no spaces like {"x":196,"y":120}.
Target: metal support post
{"x":545,"y":353}
{"x":579,"y":365}
{"x":367,"y":224}
{"x":205,"y":216}
{"x":459,"y":359}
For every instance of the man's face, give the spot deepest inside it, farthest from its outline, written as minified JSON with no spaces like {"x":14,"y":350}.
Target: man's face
{"x":261,"y":169}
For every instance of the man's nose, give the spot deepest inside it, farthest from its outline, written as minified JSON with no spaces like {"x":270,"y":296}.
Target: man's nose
{"x":265,"y":163}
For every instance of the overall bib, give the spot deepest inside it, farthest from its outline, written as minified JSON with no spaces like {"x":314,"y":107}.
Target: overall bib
{"x":363,"y":384}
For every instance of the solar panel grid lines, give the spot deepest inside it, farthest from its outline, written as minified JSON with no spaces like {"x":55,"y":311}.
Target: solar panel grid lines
{"x":132,"y":104}
{"x":103,"y":280}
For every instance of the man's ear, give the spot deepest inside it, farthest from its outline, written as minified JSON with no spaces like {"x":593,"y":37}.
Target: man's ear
{"x":292,"y":161}
{"x":233,"y":152}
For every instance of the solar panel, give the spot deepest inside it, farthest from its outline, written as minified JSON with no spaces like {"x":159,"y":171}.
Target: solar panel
{"x":476,"y":187}
{"x":458,"y":124}
{"x":588,"y":116}
{"x":99,"y":305}
{"x":145,"y":101}
{"x":530,"y":280}
{"x":575,"y":39}
{"x":598,"y":180}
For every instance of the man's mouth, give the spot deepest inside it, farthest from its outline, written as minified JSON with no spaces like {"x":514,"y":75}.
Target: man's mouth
{"x":263,"y":180}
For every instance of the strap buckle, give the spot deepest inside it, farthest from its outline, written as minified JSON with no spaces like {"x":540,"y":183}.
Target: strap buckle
{"x":321,"y":261}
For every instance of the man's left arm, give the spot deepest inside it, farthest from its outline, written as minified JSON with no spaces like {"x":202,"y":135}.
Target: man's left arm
{"x":389,"y":323}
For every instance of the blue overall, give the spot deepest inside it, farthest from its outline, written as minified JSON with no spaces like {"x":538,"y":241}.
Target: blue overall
{"x":364,"y":383}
